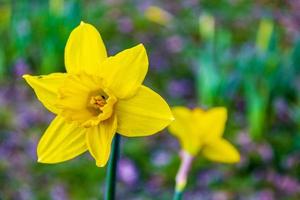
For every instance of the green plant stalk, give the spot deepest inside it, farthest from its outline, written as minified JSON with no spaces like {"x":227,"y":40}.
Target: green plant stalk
{"x":182,"y":174}
{"x":178,"y":195}
{"x":112,"y":169}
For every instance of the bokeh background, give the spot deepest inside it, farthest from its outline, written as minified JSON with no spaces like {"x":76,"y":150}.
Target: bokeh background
{"x":241,"y":54}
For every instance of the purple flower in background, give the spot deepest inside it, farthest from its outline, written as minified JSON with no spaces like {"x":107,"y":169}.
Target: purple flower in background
{"x":281,"y":109}
{"x":58,"y":192}
{"x":159,"y":62}
{"x":143,"y":5}
{"x":265,"y":195}
{"x":245,"y":142}
{"x":127,"y":171}
{"x":220,"y":195}
{"x":20,"y":67}
{"x":265,"y":151}
{"x":206,"y":177}
{"x":180,"y":88}
{"x":31,"y":147}
{"x":190,"y":3}
{"x":286,"y":184}
{"x":161,"y":158}
{"x":25,"y":193}
{"x":174,"y":44}
{"x":291,"y":161}
{"x":155,"y":183}
{"x":125,"y":25}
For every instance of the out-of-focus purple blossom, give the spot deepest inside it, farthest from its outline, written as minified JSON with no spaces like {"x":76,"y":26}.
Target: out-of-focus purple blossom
{"x":282,"y":110}
{"x":25,"y":193}
{"x":58,"y":192}
{"x":265,"y":195}
{"x":31,"y":114}
{"x":288,"y":184}
{"x":291,"y":161}
{"x":284,"y":183}
{"x":174,"y":44}
{"x":10,"y":144}
{"x":31,"y":147}
{"x":3,"y":100}
{"x":155,"y":183}
{"x":125,"y":25}
{"x":161,"y":158}
{"x":190,"y":3}
{"x":245,"y":142}
{"x":220,"y":195}
{"x":206,"y":177}
{"x":143,"y":5}
{"x":196,"y":195}
{"x":180,"y":88}
{"x":127,"y":172}
{"x":265,"y":151}
{"x":243,"y":139}
{"x":158,"y":62}
{"x":291,"y":19}
{"x":20,"y":68}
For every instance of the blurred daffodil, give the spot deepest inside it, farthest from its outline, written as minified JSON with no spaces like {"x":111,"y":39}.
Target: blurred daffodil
{"x":201,"y":131}
{"x":97,"y":97}
{"x":158,"y":15}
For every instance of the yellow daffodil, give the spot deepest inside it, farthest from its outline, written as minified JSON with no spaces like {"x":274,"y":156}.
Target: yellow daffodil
{"x":158,"y":15}
{"x":199,"y":130}
{"x":97,"y":97}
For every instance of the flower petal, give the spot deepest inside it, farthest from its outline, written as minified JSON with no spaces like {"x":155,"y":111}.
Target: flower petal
{"x":62,"y":141}
{"x":144,"y":114}
{"x":211,"y":122}
{"x":221,"y":151}
{"x":185,"y":130}
{"x":99,"y":140}
{"x":125,"y":71}
{"x":46,"y":88}
{"x":84,"y":50}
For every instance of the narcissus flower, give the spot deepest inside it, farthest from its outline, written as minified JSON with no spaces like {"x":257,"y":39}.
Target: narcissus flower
{"x":199,"y":130}
{"x":97,"y":97}
{"x":158,"y":15}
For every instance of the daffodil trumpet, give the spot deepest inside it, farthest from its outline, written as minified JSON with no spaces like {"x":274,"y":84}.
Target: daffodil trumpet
{"x":96,"y":97}
{"x":200,"y":131}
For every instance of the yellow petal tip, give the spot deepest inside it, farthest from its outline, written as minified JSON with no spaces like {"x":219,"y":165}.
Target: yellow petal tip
{"x":82,"y":23}
{"x":100,"y":164}
{"x":25,"y":76}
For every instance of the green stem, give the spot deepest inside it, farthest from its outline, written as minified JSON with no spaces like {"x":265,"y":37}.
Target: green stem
{"x":112,"y":169}
{"x":182,"y":174}
{"x":178,"y":195}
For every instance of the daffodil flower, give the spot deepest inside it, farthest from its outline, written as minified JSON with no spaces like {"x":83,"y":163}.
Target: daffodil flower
{"x":201,"y":131}
{"x":97,"y":97}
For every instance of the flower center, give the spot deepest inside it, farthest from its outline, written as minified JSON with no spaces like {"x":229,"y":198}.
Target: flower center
{"x":98,"y":102}
{"x":85,"y":99}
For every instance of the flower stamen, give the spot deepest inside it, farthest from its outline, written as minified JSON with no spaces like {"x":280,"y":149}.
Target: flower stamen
{"x":98,"y":101}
